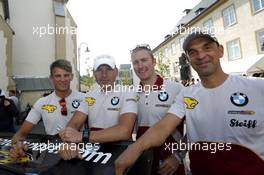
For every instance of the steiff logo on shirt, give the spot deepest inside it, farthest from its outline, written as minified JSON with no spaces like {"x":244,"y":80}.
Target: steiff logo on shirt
{"x":49,"y":108}
{"x":190,"y":102}
{"x":90,"y":101}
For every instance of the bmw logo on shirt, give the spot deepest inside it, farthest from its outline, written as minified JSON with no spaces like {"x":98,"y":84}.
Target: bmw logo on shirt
{"x":163,"y":96}
{"x":75,"y":104}
{"x":114,"y":101}
{"x":239,"y":99}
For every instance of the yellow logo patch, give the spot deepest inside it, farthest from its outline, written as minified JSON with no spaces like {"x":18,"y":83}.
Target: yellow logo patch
{"x":5,"y":158}
{"x":190,"y":102}
{"x":90,"y":100}
{"x":49,"y":108}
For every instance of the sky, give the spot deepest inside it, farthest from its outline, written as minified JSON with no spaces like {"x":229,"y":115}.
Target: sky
{"x":115,"y":27}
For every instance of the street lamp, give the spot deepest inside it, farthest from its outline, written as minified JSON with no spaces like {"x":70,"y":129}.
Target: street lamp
{"x":79,"y":60}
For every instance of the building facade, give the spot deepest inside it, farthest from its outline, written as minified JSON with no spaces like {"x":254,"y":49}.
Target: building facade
{"x":44,"y":31}
{"x":238,"y":25}
{"x":6,"y":37}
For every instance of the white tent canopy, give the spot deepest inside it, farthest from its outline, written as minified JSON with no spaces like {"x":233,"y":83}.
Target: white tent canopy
{"x":248,"y":65}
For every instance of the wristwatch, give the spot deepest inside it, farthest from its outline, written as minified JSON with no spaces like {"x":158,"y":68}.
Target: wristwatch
{"x":86,"y":135}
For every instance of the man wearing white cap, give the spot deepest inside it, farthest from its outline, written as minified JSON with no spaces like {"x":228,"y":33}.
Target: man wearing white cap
{"x":111,"y":111}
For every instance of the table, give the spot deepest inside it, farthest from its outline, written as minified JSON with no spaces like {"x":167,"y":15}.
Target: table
{"x":47,"y":162}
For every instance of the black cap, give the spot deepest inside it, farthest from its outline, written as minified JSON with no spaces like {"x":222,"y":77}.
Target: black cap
{"x":197,"y":34}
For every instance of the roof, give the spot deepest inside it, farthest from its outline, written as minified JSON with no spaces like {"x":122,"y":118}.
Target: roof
{"x":33,"y":84}
{"x":201,"y":7}
{"x":204,"y":4}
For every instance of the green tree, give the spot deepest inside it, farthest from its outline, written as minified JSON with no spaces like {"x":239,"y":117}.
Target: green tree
{"x":87,"y":80}
{"x":163,"y":68}
{"x":124,"y":76}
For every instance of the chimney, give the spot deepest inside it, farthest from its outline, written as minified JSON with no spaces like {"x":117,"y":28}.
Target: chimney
{"x":186,"y":11}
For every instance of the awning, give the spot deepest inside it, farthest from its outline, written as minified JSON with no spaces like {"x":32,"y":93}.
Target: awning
{"x":248,"y":65}
{"x":33,"y":84}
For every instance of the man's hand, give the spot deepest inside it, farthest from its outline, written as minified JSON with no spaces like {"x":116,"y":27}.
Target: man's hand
{"x":18,"y":149}
{"x":6,"y":103}
{"x":127,"y":158}
{"x":70,"y":135}
{"x":169,"y":166}
{"x":69,"y":151}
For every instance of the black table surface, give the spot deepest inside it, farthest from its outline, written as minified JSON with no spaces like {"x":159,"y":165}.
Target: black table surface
{"x":46,"y":163}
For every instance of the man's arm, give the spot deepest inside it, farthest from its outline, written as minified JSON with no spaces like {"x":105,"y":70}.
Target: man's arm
{"x":18,"y":148}
{"x":24,"y":130}
{"x":154,"y":136}
{"x":77,"y":120}
{"x":121,"y":131}
{"x":71,"y":133}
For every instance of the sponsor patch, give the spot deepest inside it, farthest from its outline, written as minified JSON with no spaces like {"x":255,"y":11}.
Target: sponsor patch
{"x":90,"y":100}
{"x":49,"y":108}
{"x":114,"y":101}
{"x":190,"y":102}
{"x":244,"y":123}
{"x":239,"y":99}
{"x":76,"y":104}
{"x":113,"y":109}
{"x":163,"y":96}
{"x":246,"y":112}
{"x":163,"y":105}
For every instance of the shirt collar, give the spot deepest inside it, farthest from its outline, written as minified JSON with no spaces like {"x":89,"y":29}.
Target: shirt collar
{"x":158,"y":83}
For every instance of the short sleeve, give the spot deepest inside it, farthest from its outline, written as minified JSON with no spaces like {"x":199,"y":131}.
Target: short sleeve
{"x":178,"y":106}
{"x":130,"y":103}
{"x":34,"y":115}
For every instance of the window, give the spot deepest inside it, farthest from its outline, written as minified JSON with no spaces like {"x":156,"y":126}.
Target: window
{"x":229,"y":16}
{"x":173,"y":48}
{"x":233,"y":48}
{"x":258,"y":5}
{"x":175,"y":67}
{"x":166,"y":53}
{"x":260,"y":39}
{"x":208,"y":26}
{"x":181,"y":40}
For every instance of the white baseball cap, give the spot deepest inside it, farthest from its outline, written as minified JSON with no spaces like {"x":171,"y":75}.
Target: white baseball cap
{"x":104,"y":59}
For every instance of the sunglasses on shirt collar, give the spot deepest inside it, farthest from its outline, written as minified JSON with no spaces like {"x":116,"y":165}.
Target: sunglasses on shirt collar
{"x":62,"y":103}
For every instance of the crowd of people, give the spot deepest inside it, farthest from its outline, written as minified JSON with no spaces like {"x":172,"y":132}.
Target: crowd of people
{"x":216,"y":108}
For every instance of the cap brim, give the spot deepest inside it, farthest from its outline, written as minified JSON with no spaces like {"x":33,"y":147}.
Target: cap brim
{"x":194,"y":36}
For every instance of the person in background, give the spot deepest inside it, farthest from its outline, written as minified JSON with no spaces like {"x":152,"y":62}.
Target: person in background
{"x":8,"y":112}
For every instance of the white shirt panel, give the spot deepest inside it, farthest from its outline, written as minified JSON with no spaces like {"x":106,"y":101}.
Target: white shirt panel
{"x":232,"y":112}
{"x":49,"y":109}
{"x":104,"y":109}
